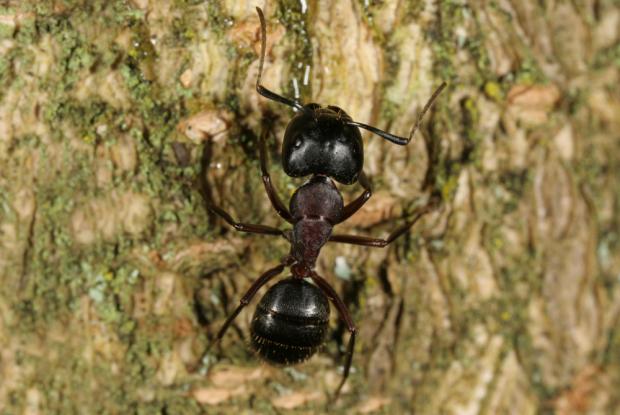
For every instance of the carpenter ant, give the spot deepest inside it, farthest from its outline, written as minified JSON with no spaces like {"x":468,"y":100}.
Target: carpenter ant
{"x":291,"y":320}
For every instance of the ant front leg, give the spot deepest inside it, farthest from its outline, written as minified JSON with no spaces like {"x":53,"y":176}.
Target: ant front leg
{"x":346,"y":317}
{"x":350,"y":209}
{"x":276,"y":202}
{"x":380,"y":243}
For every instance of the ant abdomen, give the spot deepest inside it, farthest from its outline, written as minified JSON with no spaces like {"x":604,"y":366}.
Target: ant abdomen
{"x":290,"y":322}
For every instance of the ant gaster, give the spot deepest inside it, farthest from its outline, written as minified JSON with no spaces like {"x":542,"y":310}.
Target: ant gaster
{"x":291,"y":320}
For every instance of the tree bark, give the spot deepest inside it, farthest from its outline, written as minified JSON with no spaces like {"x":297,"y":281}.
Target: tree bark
{"x":115,"y":278}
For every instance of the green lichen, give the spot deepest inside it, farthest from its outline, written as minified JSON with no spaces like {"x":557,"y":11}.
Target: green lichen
{"x":493,"y":90}
{"x":60,"y":272}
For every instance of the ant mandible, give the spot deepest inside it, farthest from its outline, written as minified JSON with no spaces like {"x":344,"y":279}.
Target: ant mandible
{"x":291,"y":320}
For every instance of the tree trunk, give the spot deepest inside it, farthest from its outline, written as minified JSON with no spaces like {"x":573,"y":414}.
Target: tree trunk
{"x":116,"y":116}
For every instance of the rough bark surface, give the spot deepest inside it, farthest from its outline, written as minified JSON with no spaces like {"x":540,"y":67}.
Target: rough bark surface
{"x":115,"y":279}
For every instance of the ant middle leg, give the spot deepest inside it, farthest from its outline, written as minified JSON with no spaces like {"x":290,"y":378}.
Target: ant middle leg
{"x":203,"y":188}
{"x":244,"y":227}
{"x":352,"y":207}
{"x":379,"y":242}
{"x":346,"y":317}
{"x":276,"y":202}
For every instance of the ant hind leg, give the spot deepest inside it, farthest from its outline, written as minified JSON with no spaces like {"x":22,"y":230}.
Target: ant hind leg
{"x":245,"y":300}
{"x":346,"y":317}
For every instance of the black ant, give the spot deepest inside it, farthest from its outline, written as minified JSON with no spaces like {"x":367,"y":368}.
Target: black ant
{"x":291,"y":320}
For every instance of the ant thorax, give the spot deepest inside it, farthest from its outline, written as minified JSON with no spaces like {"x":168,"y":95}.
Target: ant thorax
{"x":315,"y":206}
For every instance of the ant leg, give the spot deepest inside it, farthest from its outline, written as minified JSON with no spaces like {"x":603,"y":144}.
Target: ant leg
{"x":245,"y":300}
{"x":344,"y":314}
{"x":380,"y":243}
{"x":243,"y":227}
{"x":355,"y":205}
{"x":203,"y":188}
{"x":259,"y":87}
{"x":276,"y":202}
{"x":394,"y":138}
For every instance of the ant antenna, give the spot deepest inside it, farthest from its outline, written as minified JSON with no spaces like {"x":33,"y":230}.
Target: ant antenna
{"x":260,"y":88}
{"x":397,"y":139}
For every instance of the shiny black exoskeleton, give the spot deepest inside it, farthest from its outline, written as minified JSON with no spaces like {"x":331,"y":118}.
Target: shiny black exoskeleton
{"x":326,"y":140}
{"x":291,"y":320}
{"x":318,"y":141}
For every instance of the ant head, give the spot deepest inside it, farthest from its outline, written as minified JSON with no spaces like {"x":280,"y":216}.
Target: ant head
{"x":321,"y":141}
{"x":290,"y":322}
{"x":324,"y":140}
